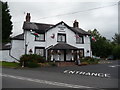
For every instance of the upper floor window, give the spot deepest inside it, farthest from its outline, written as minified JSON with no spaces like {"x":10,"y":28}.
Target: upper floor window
{"x":79,"y":39}
{"x":61,"y":37}
{"x":41,"y":37}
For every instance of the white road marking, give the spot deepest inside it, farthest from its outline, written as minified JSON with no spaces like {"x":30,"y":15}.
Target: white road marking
{"x":102,"y":75}
{"x":44,"y":81}
{"x":102,"y":62}
{"x":114,"y":66}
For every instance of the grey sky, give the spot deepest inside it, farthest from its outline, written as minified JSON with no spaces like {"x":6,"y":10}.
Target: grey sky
{"x":105,"y":20}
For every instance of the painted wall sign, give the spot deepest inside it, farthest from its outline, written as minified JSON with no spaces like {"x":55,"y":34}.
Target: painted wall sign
{"x":87,"y":73}
{"x":61,"y":27}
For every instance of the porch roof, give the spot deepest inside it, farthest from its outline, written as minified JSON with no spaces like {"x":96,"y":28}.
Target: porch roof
{"x":62,"y":45}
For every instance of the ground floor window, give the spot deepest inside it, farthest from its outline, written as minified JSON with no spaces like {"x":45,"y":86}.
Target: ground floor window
{"x":81,"y":52}
{"x":40,"y":51}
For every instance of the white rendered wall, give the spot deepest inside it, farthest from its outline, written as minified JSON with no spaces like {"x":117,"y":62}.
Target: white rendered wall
{"x":30,"y":40}
{"x":4,"y":56}
{"x":17,"y":49}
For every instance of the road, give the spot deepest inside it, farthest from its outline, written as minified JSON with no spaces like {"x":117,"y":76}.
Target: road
{"x":56,"y":77}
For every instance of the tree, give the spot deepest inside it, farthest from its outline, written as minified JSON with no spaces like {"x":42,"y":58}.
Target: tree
{"x":6,"y":22}
{"x":101,"y":47}
{"x":116,"y":49}
{"x":116,"y":38}
{"x":116,"y":52}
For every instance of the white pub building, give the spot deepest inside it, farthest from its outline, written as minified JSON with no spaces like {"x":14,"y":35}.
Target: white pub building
{"x":58,"y":42}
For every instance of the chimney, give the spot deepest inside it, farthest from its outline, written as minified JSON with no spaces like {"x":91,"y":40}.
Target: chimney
{"x":76,"y":24}
{"x":28,"y":17}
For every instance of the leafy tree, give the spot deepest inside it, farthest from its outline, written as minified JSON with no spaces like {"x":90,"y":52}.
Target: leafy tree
{"x":116,"y":52}
{"x":116,"y":43}
{"x":101,"y":47}
{"x":6,"y":22}
{"x":116,"y":38}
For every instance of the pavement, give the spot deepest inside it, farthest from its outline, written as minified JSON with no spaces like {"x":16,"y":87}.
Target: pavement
{"x":54,"y":77}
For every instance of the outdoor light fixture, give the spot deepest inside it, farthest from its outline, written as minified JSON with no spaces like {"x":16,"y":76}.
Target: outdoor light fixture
{"x":87,"y":51}
{"x":30,"y":51}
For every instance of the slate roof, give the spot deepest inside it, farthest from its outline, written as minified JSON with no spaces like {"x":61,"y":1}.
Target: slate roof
{"x":19,"y":37}
{"x":80,"y":31}
{"x":62,"y":45}
{"x":5,"y":46}
{"x":40,"y":27}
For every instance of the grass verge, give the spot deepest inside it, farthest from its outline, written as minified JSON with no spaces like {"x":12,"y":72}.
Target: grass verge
{"x":9,"y":64}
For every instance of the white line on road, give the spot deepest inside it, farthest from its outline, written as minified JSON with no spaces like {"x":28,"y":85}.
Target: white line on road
{"x":114,"y":66}
{"x":44,"y":81}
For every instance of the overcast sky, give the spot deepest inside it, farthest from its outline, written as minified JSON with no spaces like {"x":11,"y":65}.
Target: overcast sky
{"x":90,"y":14}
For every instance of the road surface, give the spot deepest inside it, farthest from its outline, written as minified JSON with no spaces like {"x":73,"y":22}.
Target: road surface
{"x":56,"y":77}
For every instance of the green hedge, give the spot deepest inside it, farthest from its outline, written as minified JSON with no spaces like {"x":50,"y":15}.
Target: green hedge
{"x":89,"y":60}
{"x":32,"y":64}
{"x":31,"y":60}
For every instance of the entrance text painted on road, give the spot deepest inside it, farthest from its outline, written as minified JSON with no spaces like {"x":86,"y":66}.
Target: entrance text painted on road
{"x":87,"y":73}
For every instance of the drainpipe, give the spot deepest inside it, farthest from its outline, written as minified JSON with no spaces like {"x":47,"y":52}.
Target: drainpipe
{"x":47,"y":51}
{"x":11,"y":55}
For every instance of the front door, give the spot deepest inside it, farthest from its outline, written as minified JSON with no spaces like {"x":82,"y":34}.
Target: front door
{"x":62,"y":55}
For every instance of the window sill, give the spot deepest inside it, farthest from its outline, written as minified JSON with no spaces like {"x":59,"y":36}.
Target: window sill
{"x":61,"y":41}
{"x":40,"y":40}
{"x":79,"y":43}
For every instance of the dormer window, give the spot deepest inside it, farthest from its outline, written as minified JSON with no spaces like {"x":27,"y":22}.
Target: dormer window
{"x":41,"y":37}
{"x":61,"y":37}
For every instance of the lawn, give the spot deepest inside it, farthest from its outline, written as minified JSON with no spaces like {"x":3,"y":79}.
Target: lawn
{"x":9,"y":64}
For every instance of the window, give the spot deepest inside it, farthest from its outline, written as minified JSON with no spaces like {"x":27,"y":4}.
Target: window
{"x":40,"y":51}
{"x":61,"y":38}
{"x":79,"y":39}
{"x":40,"y":38}
{"x":82,"y":53}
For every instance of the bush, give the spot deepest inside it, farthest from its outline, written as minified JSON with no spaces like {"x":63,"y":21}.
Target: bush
{"x":32,"y":64}
{"x":84,"y":63}
{"x":31,"y":59}
{"x":52,"y":64}
{"x":89,"y":60}
{"x":116,"y":52}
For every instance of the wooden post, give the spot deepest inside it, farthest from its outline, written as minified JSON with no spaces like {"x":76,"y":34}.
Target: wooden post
{"x":58,"y":55}
{"x":72,"y":55}
{"x":51,"y":55}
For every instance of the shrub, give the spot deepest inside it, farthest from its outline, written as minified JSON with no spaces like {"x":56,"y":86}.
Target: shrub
{"x":32,"y":64}
{"x":116,"y":52}
{"x":84,"y":63}
{"x":31,"y":59}
{"x":52,"y":64}
{"x":89,"y":60}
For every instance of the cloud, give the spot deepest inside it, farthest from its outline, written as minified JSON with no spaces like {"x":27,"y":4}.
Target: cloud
{"x":104,"y":19}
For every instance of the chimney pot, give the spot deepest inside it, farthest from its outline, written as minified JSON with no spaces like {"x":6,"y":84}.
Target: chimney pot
{"x":28,"y":17}
{"x":76,"y":24}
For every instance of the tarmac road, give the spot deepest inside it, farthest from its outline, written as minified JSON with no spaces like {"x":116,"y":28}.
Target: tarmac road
{"x":54,"y":77}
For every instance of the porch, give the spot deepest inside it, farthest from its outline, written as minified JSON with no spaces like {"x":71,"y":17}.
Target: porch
{"x":63,"y":52}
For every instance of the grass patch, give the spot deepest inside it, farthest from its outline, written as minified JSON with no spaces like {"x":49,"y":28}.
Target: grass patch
{"x":9,"y":64}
